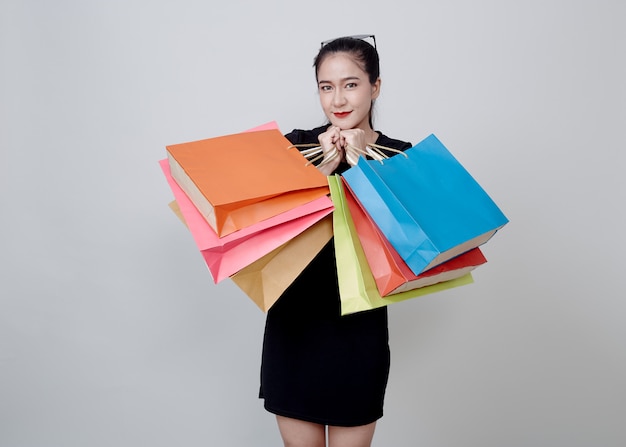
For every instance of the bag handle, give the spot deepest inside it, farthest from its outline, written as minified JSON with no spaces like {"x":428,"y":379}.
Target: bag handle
{"x":375,"y":151}
{"x":315,"y":153}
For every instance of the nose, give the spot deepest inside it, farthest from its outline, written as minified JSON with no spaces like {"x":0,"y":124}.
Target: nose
{"x":338,"y":98}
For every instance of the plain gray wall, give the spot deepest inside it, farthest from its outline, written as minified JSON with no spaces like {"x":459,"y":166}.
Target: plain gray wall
{"x":111,"y":330}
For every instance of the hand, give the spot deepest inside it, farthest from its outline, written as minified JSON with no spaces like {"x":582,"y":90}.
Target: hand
{"x":354,"y":144}
{"x":333,"y":149}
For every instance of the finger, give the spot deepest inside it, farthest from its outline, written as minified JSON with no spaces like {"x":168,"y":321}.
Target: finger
{"x":341,"y":141}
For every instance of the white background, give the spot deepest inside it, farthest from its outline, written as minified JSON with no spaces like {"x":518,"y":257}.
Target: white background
{"x":111,"y":330}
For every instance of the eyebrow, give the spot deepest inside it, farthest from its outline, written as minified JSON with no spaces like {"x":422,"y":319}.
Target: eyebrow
{"x":348,"y":78}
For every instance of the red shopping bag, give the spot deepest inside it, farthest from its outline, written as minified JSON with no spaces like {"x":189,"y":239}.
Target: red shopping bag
{"x":390,"y":271}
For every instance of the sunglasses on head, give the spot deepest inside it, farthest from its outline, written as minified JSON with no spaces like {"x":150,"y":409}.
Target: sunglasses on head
{"x":369,"y":38}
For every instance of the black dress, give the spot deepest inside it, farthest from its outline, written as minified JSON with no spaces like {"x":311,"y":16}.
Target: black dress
{"x":318,"y":366}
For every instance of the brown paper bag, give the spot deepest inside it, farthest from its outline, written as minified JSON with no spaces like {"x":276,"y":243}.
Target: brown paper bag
{"x":265,"y":280}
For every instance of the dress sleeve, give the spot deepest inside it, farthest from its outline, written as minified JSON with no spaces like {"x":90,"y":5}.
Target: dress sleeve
{"x":293,"y":136}
{"x":299,"y":136}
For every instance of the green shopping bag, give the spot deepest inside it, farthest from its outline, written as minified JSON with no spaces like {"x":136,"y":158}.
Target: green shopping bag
{"x":357,"y":287}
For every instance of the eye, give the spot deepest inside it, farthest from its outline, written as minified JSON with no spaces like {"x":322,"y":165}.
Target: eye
{"x":325,"y":88}
{"x":351,"y":85}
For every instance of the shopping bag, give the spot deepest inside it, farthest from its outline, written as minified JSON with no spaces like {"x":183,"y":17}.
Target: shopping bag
{"x":357,"y":287}
{"x":425,"y":203}
{"x":238,"y":180}
{"x":227,"y":255}
{"x":391,"y":273}
{"x":265,"y":280}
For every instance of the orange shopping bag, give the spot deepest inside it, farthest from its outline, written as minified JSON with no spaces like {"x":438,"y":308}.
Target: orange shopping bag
{"x":240,"y":179}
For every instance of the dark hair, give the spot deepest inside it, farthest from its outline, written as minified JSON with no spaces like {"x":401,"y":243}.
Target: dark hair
{"x":364,"y":54}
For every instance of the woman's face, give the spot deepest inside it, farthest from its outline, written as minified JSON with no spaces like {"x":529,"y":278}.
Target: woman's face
{"x":345,"y":92}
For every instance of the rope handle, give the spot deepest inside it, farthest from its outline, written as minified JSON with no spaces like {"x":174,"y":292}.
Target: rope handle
{"x":315,"y":153}
{"x":373,"y":150}
{"x":379,"y":148}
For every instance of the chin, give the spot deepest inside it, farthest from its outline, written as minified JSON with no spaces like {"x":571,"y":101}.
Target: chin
{"x":343,"y":125}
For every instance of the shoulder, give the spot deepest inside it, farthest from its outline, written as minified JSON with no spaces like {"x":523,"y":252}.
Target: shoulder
{"x":300,"y":136}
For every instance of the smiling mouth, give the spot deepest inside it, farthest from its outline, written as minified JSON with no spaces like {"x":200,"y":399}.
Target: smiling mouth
{"x":341,"y":114}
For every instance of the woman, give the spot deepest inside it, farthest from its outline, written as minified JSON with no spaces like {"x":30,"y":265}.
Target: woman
{"x":321,"y":370}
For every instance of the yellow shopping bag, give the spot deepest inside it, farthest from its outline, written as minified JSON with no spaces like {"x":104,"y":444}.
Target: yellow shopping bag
{"x":357,"y":287}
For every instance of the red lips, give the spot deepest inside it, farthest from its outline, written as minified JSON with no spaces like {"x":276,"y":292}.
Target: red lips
{"x":341,"y":114}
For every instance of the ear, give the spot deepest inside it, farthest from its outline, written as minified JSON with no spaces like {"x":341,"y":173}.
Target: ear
{"x":376,"y":89}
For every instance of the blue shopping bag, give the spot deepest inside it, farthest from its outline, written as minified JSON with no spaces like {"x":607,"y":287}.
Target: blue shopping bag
{"x":425,"y":203}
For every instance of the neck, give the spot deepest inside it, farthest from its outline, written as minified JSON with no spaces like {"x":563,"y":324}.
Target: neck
{"x":371,"y":135}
